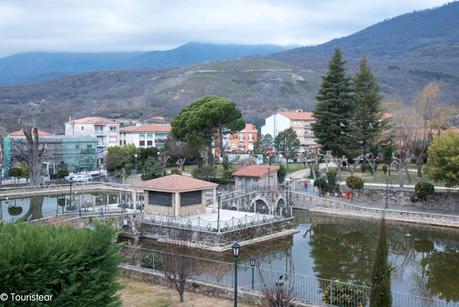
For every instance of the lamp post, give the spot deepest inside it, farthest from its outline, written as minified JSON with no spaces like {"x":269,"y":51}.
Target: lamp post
{"x":135,"y":156}
{"x":235,"y":248}
{"x":269,"y":178}
{"x":219,"y":194}
{"x":252,"y":261}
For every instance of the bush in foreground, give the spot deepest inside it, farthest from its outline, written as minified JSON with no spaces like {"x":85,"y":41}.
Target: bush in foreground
{"x":423,"y":189}
{"x":77,"y":267}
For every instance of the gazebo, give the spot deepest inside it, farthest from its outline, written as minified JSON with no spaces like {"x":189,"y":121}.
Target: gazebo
{"x":176,"y":195}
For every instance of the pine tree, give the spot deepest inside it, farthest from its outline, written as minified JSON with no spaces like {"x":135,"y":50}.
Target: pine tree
{"x":366,"y":122}
{"x":333,"y":112}
{"x":380,"y":295}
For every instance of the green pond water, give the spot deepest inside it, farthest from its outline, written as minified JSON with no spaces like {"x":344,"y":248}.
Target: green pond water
{"x":424,"y":260}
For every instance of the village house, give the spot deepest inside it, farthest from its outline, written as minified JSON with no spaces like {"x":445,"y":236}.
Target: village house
{"x":105,"y":130}
{"x":298,"y":120}
{"x":145,"y":136}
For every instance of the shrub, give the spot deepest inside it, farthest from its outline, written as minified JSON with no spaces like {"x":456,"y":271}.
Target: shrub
{"x":331,"y":178}
{"x":423,"y":189}
{"x":176,"y":171}
{"x":15,"y":172}
{"x":321,"y":184}
{"x":354,"y":182}
{"x":61,"y":173}
{"x":344,"y":295}
{"x":76,"y":266}
{"x":281,"y":173}
{"x":14,"y":210}
{"x":206,"y":172}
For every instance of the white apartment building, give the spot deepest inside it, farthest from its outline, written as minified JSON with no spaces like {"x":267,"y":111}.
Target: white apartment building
{"x":145,"y":136}
{"x":299,"y":121}
{"x":105,"y":130}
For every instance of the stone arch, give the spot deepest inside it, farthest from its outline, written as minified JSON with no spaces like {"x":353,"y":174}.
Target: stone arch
{"x":261,"y":206}
{"x":281,"y":208}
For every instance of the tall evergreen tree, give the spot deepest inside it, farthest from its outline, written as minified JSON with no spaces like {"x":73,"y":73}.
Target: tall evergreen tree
{"x":381,"y":295}
{"x":333,"y":111}
{"x":366,"y":122}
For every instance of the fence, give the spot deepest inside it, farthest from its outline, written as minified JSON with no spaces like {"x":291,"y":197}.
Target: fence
{"x":308,"y":289}
{"x":202,"y":224}
{"x":304,"y":201}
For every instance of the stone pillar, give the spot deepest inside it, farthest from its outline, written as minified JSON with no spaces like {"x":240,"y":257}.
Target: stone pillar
{"x":176,"y":204}
{"x":134,"y":199}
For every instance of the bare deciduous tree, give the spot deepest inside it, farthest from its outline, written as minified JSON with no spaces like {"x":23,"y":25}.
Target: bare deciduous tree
{"x":177,"y":262}
{"x":400,"y":160}
{"x":278,"y":289}
{"x":312,"y":157}
{"x":31,"y":153}
{"x":372,"y":159}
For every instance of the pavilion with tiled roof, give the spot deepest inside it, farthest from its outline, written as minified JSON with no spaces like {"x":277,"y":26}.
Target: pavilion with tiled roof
{"x":256,"y":176}
{"x":176,"y":195}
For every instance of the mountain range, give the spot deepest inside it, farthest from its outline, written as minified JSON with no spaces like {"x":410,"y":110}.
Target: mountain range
{"x":39,"y":66}
{"x":405,"y":53}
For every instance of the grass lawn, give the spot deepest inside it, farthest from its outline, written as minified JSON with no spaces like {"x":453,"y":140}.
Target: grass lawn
{"x":142,"y":294}
{"x":393,"y":179}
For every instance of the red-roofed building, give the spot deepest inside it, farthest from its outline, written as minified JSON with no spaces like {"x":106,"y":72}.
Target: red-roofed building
{"x":298,"y":120}
{"x":145,"y":136}
{"x":20,"y":133}
{"x":256,"y":176}
{"x":105,"y":130}
{"x":243,"y":140}
{"x":176,"y":195}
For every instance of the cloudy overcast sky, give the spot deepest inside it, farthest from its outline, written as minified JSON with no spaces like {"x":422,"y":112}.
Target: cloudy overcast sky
{"x":128,"y":25}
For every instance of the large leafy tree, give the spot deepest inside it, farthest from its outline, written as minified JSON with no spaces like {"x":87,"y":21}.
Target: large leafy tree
{"x":206,"y":120}
{"x":287,"y":144}
{"x":443,"y":160}
{"x":333,"y":111}
{"x":367,"y":123}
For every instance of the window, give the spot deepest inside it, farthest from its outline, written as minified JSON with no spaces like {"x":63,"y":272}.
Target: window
{"x":160,"y":199}
{"x":82,"y":128}
{"x":149,"y":136}
{"x":190,"y":198}
{"x":89,"y":146}
{"x":250,"y":136}
{"x":142,"y":136}
{"x":149,"y":143}
{"x":113,"y":128}
{"x":241,"y":137}
{"x":99,"y":128}
{"x":124,"y":142}
{"x":121,"y":142}
{"x":141,"y":143}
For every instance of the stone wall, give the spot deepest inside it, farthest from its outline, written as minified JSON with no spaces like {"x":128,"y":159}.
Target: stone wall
{"x":447,"y":202}
{"x":216,"y":241}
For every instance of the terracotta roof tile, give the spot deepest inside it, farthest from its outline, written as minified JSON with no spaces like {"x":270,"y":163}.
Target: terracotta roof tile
{"x":147,"y":128}
{"x":21,"y":133}
{"x":93,"y":120}
{"x":176,"y":183}
{"x":298,"y":115}
{"x":256,"y":171}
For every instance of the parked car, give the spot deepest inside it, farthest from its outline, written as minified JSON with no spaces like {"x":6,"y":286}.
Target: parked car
{"x":78,"y":178}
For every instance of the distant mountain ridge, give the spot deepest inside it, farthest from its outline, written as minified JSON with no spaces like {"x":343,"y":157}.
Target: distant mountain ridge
{"x":40,"y":66}
{"x":405,"y":53}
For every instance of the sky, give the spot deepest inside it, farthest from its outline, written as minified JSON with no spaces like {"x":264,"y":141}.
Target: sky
{"x":142,"y":25}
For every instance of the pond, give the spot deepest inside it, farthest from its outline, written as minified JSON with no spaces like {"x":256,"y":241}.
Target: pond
{"x":37,"y":207}
{"x":424,"y":260}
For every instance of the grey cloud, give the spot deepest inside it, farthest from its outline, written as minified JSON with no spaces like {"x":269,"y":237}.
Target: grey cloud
{"x":122,"y":25}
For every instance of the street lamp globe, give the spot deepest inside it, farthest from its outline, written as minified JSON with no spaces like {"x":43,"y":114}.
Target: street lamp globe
{"x":236,"y":248}
{"x":252,"y":260}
